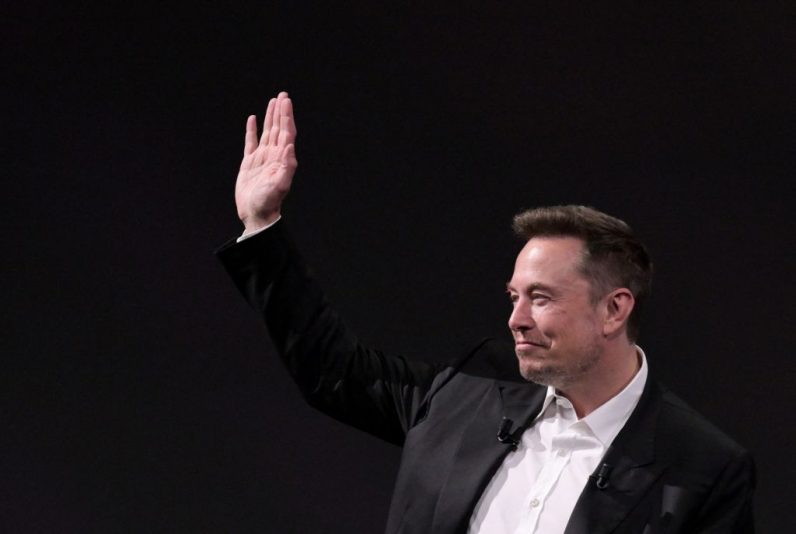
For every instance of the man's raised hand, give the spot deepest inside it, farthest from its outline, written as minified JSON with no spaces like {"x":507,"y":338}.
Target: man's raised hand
{"x":268,"y":165}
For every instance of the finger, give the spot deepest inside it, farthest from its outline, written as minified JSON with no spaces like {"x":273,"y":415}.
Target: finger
{"x":287,"y":131}
{"x":287,"y":109}
{"x":250,"y":141}
{"x":283,"y":132}
{"x":269,"y":117}
{"x":273,"y":135}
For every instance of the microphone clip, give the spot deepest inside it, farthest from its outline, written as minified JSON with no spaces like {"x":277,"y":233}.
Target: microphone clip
{"x":600,"y":476}
{"x":506,"y":436}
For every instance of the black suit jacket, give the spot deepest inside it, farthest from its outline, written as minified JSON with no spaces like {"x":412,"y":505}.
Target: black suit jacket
{"x":670,"y":471}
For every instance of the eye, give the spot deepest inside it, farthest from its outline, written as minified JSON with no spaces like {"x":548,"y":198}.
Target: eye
{"x":540,"y":299}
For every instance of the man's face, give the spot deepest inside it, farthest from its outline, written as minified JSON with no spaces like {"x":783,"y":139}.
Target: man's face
{"x":556,"y":328}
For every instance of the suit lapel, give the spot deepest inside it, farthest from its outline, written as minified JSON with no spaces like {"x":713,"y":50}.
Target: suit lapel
{"x":633,"y":471}
{"x":480,"y":453}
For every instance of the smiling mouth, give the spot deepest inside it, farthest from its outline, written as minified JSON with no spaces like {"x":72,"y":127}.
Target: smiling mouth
{"x":527,"y":351}
{"x":528,"y":345}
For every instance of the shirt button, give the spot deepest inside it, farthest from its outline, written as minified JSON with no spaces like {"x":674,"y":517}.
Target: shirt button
{"x":534,"y":503}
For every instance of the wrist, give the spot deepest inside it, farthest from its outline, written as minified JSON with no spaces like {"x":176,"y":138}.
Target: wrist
{"x":256,"y":223}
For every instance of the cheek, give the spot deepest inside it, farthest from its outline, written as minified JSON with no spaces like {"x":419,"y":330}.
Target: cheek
{"x":563,"y":327}
{"x":588,"y":329}
{"x":552,"y":323}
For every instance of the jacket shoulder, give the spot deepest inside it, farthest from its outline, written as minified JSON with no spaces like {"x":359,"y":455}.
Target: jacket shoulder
{"x":680,"y":423}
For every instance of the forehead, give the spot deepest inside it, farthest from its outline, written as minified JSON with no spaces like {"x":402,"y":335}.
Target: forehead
{"x":549,"y":260}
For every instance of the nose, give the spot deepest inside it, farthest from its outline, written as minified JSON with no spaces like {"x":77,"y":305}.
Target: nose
{"x":520,"y":318}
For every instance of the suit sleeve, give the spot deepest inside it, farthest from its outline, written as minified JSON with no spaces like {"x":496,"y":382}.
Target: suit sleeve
{"x":365,"y":388}
{"x":728,"y":509}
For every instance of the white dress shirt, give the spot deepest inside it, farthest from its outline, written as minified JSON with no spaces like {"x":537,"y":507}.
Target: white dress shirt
{"x":537,"y":486}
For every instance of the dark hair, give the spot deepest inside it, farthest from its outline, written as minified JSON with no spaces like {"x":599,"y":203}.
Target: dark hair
{"x":613,"y":255}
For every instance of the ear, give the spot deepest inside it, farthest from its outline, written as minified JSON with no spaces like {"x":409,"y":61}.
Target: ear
{"x":618,"y":305}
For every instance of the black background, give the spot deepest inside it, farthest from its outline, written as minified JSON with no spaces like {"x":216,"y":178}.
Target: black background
{"x":141,"y":393}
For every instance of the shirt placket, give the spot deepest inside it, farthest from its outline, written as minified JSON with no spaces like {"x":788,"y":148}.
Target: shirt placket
{"x":558,"y":456}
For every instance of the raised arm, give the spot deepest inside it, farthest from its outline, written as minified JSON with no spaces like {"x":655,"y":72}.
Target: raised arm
{"x":363,"y":387}
{"x":268,"y":165}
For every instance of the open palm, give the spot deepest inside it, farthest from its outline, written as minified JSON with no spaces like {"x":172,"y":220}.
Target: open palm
{"x":267,"y":169}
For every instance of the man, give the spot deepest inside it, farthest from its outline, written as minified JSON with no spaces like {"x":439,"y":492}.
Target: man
{"x":585,"y":442}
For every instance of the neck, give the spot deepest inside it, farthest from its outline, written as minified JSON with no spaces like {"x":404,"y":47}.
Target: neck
{"x":601,"y":384}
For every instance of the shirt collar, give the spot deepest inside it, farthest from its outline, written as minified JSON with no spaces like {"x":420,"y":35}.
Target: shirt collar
{"x":606,"y":421}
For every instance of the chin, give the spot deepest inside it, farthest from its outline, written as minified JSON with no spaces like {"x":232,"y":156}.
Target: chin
{"x":538,"y":374}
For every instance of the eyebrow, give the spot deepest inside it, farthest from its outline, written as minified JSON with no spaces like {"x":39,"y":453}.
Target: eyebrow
{"x":533,"y":287}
